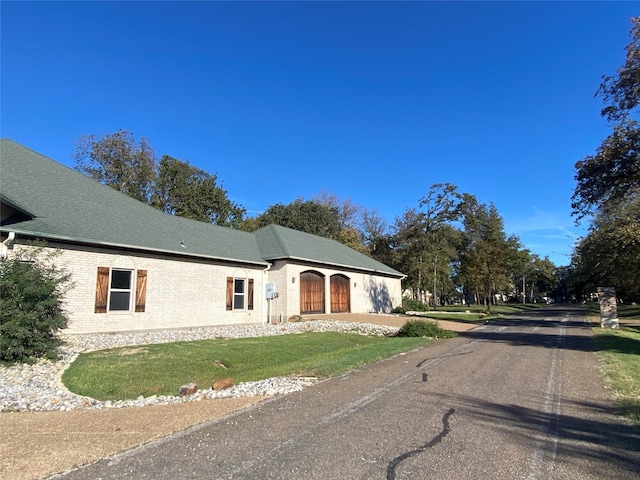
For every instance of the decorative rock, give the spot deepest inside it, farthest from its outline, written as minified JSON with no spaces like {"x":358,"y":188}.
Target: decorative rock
{"x":223,"y":383}
{"x":188,"y":389}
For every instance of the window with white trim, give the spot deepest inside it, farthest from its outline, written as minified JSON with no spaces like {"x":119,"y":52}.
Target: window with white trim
{"x":239,"y":293}
{"x":115,"y":290}
{"x":120,"y":290}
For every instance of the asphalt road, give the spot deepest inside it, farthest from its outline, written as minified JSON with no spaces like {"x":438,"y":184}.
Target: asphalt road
{"x":516,"y":399}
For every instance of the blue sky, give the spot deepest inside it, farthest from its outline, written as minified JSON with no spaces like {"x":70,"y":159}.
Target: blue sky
{"x":371,"y":101}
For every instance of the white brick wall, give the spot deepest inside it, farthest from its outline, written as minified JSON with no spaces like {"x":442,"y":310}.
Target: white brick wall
{"x":179,"y":293}
{"x":369,"y":293}
{"x":185,"y":293}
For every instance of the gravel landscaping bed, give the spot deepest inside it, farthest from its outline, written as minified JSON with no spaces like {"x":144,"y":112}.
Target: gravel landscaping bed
{"x":38,"y":387}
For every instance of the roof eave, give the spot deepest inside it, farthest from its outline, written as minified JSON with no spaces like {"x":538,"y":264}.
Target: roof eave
{"x":63,"y":238}
{"x":340,"y":265}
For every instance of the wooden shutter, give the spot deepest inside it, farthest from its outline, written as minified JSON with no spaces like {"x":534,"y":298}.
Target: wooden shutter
{"x":250,"y":295}
{"x":141,"y":290}
{"x":102,"y":290}
{"x":229,"y":293}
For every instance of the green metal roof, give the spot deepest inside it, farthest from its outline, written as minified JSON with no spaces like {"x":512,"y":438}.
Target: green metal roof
{"x":277,"y":243}
{"x":54,"y":202}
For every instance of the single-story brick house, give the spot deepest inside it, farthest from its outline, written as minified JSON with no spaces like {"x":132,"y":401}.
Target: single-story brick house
{"x":136,"y":268}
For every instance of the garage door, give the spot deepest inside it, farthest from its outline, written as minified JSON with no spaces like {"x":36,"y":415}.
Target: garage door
{"x":340,"y":294}
{"x":311,"y":292}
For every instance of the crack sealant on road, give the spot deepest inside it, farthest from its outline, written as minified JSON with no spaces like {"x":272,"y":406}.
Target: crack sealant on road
{"x":391,"y":468}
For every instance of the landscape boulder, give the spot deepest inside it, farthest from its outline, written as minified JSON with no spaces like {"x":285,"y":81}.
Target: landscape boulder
{"x":223,"y":383}
{"x":188,"y":389}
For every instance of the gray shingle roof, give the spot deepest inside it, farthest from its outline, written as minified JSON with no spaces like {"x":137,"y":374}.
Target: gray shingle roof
{"x":71,"y":207}
{"x":277,"y":242}
{"x":55,"y":202}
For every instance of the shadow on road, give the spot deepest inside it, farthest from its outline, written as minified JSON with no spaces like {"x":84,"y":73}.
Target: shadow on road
{"x":603,"y":441}
{"x":539,"y":328}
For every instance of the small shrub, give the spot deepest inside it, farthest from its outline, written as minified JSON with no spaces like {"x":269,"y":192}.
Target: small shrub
{"x":422,"y":328}
{"x":411,"y":305}
{"x":31,"y":309}
{"x":398,"y":310}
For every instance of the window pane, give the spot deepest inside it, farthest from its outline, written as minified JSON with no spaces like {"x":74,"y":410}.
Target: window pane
{"x":119,"y":301}
{"x":238,"y":285}
{"x":121,"y":279}
{"x":238,"y":302}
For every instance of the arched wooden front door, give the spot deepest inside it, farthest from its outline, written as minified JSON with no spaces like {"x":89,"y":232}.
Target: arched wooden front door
{"x":340,"y":294}
{"x":311,"y":292}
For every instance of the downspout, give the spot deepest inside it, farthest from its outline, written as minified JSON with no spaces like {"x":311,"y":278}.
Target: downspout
{"x":6,"y":243}
{"x":264,"y":300}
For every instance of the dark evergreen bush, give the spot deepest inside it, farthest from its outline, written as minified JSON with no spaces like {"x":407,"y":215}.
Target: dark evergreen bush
{"x":422,"y":328}
{"x":31,"y":310}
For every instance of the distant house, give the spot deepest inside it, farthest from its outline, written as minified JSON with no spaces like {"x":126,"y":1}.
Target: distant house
{"x":136,"y":268}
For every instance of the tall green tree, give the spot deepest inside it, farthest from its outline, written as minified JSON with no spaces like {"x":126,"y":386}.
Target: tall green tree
{"x":375,"y":231}
{"x":409,"y":242}
{"x":519,"y":264}
{"x":426,"y":241}
{"x":171,"y":185}
{"x":610,"y":254}
{"x":546,"y":276}
{"x":186,"y":191}
{"x":305,"y":216}
{"x":484,"y":250}
{"x":612,"y":175}
{"x":349,"y":218}
{"x":621,"y":92}
{"x":119,"y":161}
{"x":608,"y":185}
{"x":440,"y":207}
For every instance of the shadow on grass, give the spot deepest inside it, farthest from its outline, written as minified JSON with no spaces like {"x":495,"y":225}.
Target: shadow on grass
{"x":631,"y":409}
{"x":624,"y":311}
{"x":629,"y":311}
{"x":622,"y":345}
{"x":611,"y":342}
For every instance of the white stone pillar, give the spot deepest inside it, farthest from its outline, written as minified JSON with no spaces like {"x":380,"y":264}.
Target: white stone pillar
{"x":608,"y":307}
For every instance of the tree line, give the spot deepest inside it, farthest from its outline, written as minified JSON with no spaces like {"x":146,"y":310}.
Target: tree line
{"x":171,"y":185}
{"x":451,"y":247}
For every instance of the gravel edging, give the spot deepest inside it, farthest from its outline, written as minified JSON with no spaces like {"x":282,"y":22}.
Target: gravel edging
{"x":38,"y":387}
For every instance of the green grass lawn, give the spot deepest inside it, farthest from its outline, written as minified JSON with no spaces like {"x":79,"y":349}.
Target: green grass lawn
{"x":475,"y":313}
{"x":160,"y":369}
{"x":501,"y":308}
{"x":620,"y":351}
{"x":624,"y":311}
